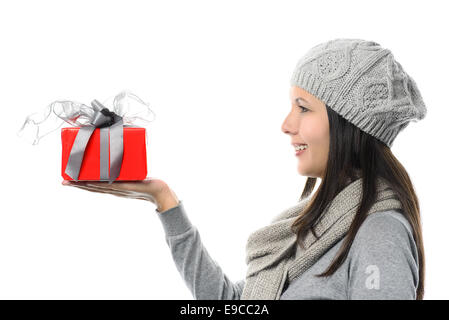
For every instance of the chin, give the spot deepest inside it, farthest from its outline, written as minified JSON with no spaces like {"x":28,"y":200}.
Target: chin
{"x":308,"y":174}
{"x":302,"y":173}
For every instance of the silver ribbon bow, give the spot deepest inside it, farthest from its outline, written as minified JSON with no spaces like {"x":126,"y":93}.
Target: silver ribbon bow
{"x":111,"y":127}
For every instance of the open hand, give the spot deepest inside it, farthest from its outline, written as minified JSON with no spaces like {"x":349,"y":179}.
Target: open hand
{"x":150,"y":189}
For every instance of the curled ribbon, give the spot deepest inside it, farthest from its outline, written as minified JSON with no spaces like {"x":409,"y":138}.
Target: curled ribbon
{"x":111,"y":127}
{"x":128,"y":110}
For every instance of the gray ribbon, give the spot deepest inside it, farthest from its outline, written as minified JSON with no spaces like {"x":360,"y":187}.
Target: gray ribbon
{"x":111,"y":129}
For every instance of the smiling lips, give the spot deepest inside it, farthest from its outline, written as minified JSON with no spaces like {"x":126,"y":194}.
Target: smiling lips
{"x":300,"y":150}
{"x":298,"y":144}
{"x":299,"y":147}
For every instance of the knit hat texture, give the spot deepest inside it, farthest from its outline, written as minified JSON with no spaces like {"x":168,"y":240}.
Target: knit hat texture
{"x":363,"y":83}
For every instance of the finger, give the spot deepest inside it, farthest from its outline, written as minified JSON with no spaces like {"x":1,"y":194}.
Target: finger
{"x":115,"y":193}
{"x":100,"y":185}
{"x":130,"y":193}
{"x":138,"y":186}
{"x":127,"y":194}
{"x":93,"y":189}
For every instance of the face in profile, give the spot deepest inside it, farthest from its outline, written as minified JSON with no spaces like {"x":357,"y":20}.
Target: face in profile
{"x":307,"y":123}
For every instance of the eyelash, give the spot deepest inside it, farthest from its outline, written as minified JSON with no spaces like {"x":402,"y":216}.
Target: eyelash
{"x":303,"y":108}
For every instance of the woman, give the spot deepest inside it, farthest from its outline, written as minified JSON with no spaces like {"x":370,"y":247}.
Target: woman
{"x":359,"y":235}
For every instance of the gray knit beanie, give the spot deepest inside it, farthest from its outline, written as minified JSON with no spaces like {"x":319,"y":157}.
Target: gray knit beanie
{"x":363,"y":83}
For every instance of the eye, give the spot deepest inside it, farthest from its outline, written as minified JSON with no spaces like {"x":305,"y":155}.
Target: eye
{"x":303,"y":109}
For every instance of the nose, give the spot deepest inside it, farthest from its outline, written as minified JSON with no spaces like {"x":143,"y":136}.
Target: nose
{"x":287,"y":126}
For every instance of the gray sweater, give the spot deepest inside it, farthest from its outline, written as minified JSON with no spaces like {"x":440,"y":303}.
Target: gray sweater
{"x":382,"y":263}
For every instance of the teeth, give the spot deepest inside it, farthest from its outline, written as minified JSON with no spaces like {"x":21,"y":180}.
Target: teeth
{"x":302,"y":147}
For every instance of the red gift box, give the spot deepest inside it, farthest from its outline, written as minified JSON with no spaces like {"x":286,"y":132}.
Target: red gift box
{"x":134,"y":163}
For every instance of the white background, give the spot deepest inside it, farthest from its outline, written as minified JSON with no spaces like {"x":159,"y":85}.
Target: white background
{"x":216,"y":73}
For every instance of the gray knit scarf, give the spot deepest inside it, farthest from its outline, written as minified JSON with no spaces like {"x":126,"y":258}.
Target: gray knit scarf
{"x":273,"y":256}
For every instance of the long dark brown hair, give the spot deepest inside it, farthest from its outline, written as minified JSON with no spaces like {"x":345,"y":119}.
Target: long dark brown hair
{"x":352,"y":154}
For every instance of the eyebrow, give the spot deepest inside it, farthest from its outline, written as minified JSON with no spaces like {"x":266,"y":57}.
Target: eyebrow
{"x":297,"y":100}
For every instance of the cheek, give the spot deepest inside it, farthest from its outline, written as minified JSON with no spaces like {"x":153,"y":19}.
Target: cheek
{"x":315,"y":133}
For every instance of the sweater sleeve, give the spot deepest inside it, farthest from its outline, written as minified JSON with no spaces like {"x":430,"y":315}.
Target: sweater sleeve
{"x":383,"y":261}
{"x":202,"y":275}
